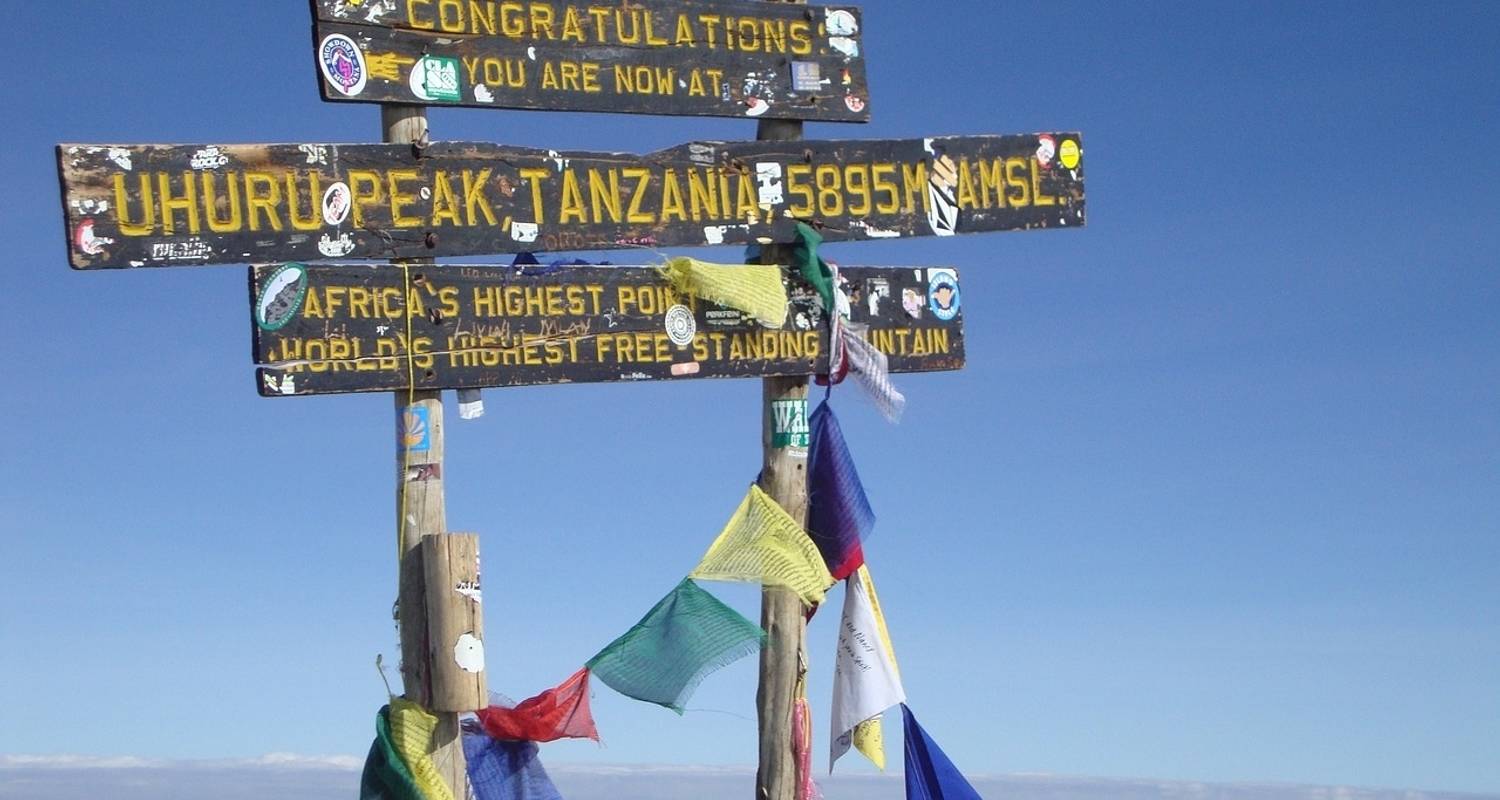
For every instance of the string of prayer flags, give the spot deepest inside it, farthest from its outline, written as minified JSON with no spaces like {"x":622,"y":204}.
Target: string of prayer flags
{"x":930,"y":775}
{"x":754,"y":289}
{"x":558,"y":713}
{"x":411,"y":733}
{"x":385,"y":776}
{"x":762,"y":543}
{"x":869,"y":736}
{"x":865,"y":682}
{"x":682,"y":639}
{"x":504,"y":770}
{"x":839,"y":516}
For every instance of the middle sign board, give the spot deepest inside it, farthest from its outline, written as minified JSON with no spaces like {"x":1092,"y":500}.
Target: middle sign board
{"x":185,"y":205}
{"x":735,"y":58}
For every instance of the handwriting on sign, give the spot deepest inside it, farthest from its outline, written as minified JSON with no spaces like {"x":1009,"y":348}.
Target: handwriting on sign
{"x":366,"y":328}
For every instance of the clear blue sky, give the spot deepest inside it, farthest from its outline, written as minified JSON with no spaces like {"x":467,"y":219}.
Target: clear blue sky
{"x":1216,"y":497}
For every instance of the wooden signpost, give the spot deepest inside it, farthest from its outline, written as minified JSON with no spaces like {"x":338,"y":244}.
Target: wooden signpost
{"x":185,"y":205}
{"x":735,"y":59}
{"x":415,"y":328}
{"x":325,"y":329}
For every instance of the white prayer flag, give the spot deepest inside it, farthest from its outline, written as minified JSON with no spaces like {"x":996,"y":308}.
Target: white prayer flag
{"x":865,"y":682}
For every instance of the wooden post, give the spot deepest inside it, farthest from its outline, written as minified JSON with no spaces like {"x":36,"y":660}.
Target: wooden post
{"x":420,"y":511}
{"x":783,"y":660}
{"x":455,"y":621}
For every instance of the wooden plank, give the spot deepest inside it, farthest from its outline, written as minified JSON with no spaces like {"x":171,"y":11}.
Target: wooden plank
{"x":342,"y":328}
{"x":730,"y":59}
{"x":455,"y":620}
{"x":179,"y":205}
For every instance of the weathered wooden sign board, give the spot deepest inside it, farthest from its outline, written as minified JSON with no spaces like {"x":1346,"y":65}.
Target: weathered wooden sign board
{"x":183,"y":205}
{"x":736,"y":59}
{"x":343,"y":328}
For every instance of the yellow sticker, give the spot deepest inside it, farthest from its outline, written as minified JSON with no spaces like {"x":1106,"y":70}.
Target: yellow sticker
{"x":1067,"y":153}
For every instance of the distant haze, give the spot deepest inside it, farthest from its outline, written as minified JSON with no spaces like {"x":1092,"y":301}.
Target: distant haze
{"x":288,"y":777}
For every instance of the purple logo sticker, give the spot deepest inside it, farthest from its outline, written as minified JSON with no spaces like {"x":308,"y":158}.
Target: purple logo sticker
{"x":343,"y":64}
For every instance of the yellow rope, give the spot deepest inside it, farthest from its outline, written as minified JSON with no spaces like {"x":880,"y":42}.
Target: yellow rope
{"x":411,"y":395}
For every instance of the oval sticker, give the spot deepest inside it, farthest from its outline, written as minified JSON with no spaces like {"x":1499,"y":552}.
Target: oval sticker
{"x":281,"y":297}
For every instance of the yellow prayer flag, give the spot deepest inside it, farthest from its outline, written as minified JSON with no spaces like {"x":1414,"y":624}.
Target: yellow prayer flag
{"x":869,"y":737}
{"x":411,"y":733}
{"x":754,"y":289}
{"x":762,"y":543}
{"x":885,"y":634}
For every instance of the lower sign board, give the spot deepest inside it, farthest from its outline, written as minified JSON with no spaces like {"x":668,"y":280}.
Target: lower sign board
{"x":346,"y":328}
{"x":181,"y":205}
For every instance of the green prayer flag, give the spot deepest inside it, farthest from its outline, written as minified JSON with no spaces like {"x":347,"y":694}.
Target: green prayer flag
{"x":813,"y":268}
{"x":686,"y":636}
{"x":386,"y":776}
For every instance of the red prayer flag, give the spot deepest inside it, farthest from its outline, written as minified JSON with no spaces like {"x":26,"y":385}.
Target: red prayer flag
{"x":558,"y":713}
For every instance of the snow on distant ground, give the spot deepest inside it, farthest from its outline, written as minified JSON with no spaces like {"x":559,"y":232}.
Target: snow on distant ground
{"x":295,"y":777}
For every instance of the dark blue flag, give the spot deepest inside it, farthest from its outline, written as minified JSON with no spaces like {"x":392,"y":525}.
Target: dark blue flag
{"x":929,"y":773}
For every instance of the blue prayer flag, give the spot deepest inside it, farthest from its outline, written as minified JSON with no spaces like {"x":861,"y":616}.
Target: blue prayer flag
{"x":505,"y":770}
{"x":929,"y":773}
{"x":838,"y":513}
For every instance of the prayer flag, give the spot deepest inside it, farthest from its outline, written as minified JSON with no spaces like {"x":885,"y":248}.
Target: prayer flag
{"x":871,"y":369}
{"x":761,"y":542}
{"x":754,"y":289}
{"x":385,"y":776}
{"x":501,"y":770}
{"x":865,"y":682}
{"x":929,"y":773}
{"x":560,"y":712}
{"x":869,"y":736}
{"x":807,"y":788}
{"x":682,"y":639}
{"x":411,"y":733}
{"x":838,"y":512}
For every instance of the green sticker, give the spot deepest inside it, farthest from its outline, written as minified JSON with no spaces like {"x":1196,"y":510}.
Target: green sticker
{"x":281,"y":297}
{"x":436,"y":78}
{"x":789,"y":423}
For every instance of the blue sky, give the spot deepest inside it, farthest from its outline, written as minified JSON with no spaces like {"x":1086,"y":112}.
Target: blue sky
{"x":1215,"y":497}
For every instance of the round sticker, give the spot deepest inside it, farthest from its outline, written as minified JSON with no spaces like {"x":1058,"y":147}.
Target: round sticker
{"x":342,"y":63}
{"x":1068,"y":153}
{"x":281,"y":297}
{"x":842,"y":23}
{"x":680,"y":325}
{"x":336,"y":203}
{"x":942,"y":293}
{"x":1046,"y":148}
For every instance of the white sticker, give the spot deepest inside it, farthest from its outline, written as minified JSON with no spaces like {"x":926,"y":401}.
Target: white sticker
{"x":680,"y":325}
{"x":469,"y":653}
{"x":336,"y":248}
{"x":768,"y":176}
{"x":842,"y":23}
{"x":336,"y":203}
{"x":523,"y":231}
{"x":342,"y":63}
{"x":208,"y":158}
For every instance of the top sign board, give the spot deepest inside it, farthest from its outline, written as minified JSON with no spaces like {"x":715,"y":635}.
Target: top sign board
{"x":185,"y":205}
{"x":731,"y":59}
